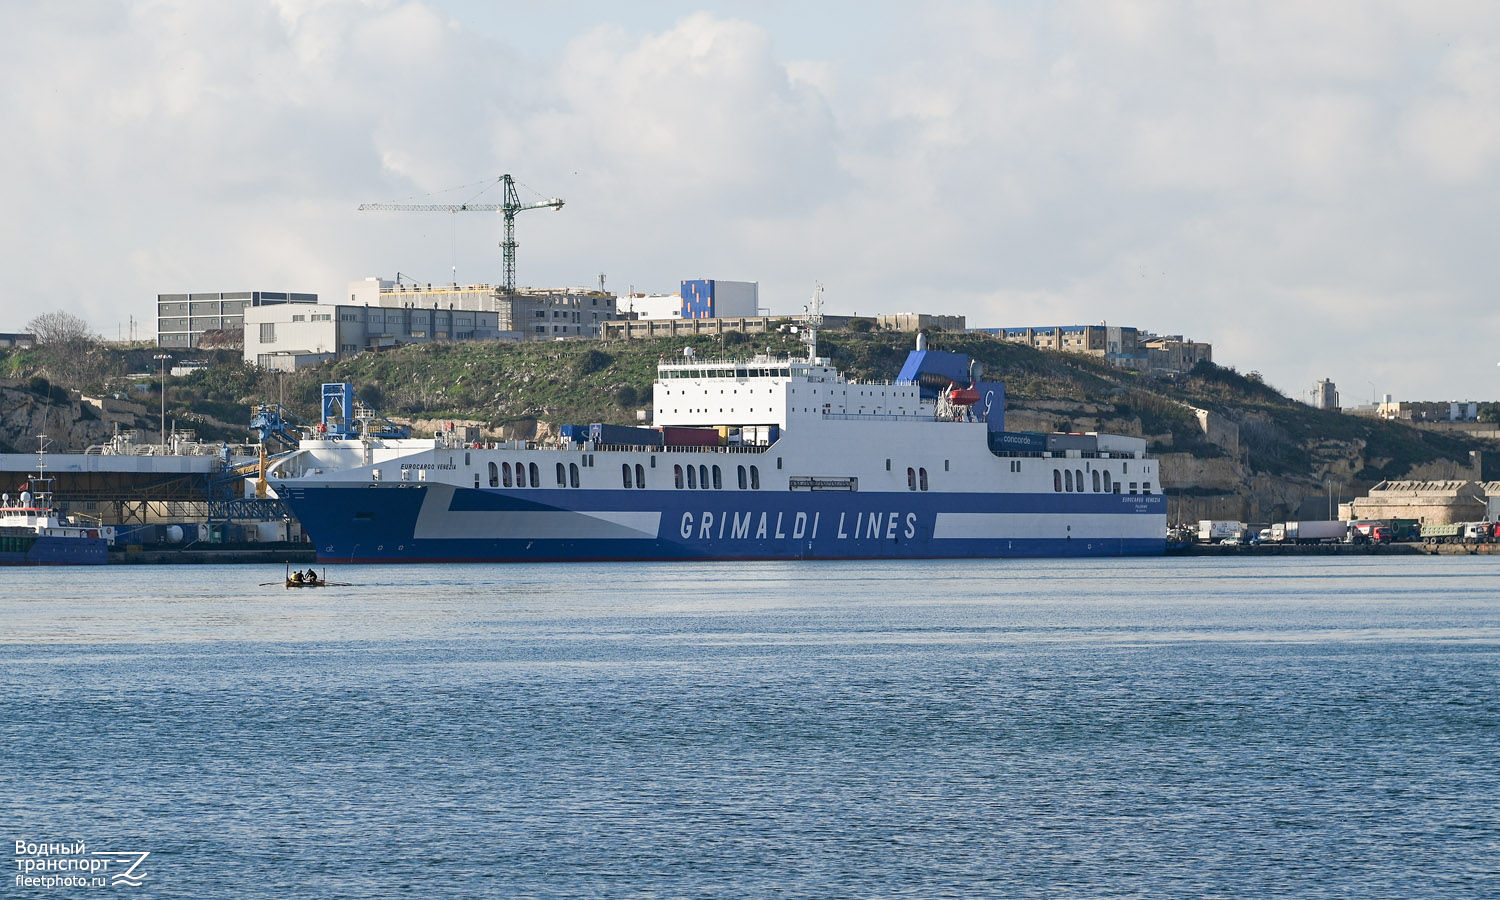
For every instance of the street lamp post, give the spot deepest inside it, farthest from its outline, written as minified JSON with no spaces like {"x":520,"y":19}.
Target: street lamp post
{"x":163,"y":357}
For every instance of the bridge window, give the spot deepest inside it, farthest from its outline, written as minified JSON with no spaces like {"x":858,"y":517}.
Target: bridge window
{"x":1145,"y":487}
{"x":536,"y":480}
{"x":1078,"y":480}
{"x":505,"y":468}
{"x":718,"y":480}
{"x":562,"y":475}
{"x":640,"y":475}
{"x":703,"y":477}
{"x":1056,"y":480}
{"x":922,"y":479}
{"x":693,"y":478}
{"x":573,"y":473}
{"x":494,"y":475}
{"x":742,"y":478}
{"x":625,"y":473}
{"x":1067,"y":481}
{"x":1107,"y":488}
{"x":911,"y":478}
{"x":755,"y":478}
{"x":677,"y":477}
{"x":1096,"y":481}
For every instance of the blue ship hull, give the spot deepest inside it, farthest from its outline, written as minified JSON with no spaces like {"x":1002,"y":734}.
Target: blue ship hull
{"x":440,"y":523}
{"x":54,"y":551}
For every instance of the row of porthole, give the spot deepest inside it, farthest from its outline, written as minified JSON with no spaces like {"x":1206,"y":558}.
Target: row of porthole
{"x":500,"y":475}
{"x":697,"y":478}
{"x":528,"y":474}
{"x":1063,"y":481}
{"x":567,"y":476}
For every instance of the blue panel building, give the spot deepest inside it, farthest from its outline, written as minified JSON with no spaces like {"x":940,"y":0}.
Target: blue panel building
{"x":708,"y":298}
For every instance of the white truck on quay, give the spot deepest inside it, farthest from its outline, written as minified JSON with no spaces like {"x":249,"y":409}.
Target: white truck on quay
{"x":1312,"y":532}
{"x":1211,"y":531}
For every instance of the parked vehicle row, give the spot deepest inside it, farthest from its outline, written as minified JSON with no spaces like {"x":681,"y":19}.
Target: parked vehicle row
{"x":1459,"y":533}
{"x":1363,"y":531}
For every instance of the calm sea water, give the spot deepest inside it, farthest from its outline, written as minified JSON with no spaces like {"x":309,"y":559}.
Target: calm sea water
{"x":1144,"y":728}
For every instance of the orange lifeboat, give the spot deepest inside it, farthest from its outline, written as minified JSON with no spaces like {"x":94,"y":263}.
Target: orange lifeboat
{"x":963,"y":396}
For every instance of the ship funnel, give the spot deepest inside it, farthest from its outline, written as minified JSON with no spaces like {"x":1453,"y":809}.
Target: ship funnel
{"x":921,"y":341}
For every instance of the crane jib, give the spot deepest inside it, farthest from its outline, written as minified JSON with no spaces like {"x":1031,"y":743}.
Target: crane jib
{"x":509,"y":208}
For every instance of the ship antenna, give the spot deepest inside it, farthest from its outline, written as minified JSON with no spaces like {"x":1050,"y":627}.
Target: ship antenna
{"x":42,"y":484}
{"x":812,"y":321}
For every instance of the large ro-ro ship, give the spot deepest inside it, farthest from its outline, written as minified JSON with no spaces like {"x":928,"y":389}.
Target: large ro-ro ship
{"x":760,"y":458}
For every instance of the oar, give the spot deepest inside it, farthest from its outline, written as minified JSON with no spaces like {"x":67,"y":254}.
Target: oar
{"x":285,"y":579}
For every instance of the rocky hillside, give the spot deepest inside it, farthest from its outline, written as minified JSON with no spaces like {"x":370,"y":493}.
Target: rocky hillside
{"x":1231,"y":447}
{"x":28,"y":409}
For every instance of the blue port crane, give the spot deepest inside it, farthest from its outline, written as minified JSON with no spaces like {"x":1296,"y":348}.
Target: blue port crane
{"x":511,"y":205}
{"x":346,"y":415}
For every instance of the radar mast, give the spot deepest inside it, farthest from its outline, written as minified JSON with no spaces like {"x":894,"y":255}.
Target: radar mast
{"x":812,"y":321}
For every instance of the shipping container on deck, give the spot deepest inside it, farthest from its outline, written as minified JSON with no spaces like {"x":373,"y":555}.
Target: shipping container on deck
{"x":760,"y":435}
{"x":1087,"y":443}
{"x":674,"y":436}
{"x":575,"y":433}
{"x":626,"y":435}
{"x":1018,"y":442}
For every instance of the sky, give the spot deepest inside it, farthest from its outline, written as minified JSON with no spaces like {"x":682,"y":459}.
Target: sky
{"x":1311,"y":187}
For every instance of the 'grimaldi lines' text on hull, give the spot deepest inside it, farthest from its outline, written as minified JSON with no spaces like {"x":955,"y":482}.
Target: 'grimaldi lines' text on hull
{"x":766,"y":458}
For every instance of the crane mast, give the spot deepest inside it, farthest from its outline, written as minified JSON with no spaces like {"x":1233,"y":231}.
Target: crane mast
{"x":512,"y":204}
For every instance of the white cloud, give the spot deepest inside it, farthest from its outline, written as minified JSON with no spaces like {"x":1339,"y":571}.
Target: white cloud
{"x":1310,"y":186}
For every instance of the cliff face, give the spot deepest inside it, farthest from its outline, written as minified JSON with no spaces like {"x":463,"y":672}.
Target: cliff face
{"x":70,"y":424}
{"x":1228,"y":487}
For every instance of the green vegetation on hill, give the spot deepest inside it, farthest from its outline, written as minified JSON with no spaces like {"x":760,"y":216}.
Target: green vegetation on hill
{"x":581,"y":382}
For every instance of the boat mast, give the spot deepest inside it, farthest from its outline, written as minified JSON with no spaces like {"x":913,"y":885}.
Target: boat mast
{"x":42,"y":485}
{"x":812,"y":321}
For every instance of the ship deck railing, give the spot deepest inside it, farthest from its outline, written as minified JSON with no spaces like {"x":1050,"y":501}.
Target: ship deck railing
{"x":1063,"y":454}
{"x":613,"y":448}
{"x":676,"y":448}
{"x":883,"y":417}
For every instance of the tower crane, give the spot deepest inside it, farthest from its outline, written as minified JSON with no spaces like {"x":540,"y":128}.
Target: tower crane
{"x":509,"y":208}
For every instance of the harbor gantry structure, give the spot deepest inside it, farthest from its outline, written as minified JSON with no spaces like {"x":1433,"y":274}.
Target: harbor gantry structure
{"x":512,"y":204}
